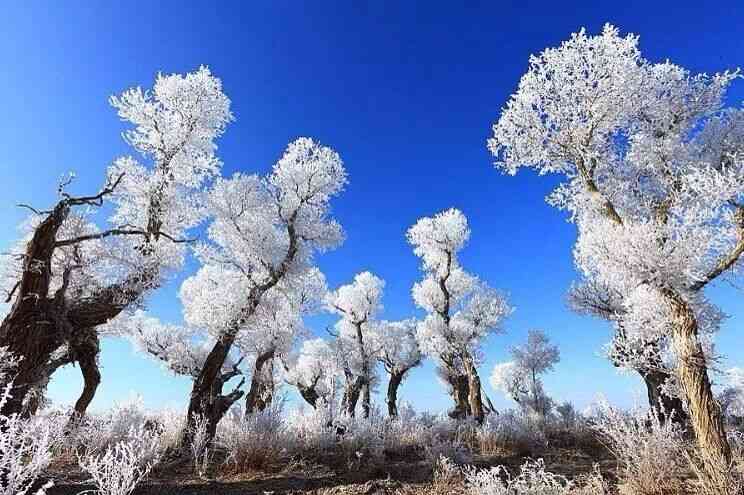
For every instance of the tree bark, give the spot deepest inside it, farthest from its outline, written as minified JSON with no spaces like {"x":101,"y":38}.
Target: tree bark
{"x":663,"y":405}
{"x":705,"y":413}
{"x":86,"y":354}
{"x":352,"y":390}
{"x":261,"y":391}
{"x":460,"y":392}
{"x":206,"y":400}
{"x":35,"y":326}
{"x":475,"y":400}
{"x":366,"y":399}
{"x":392,"y":393}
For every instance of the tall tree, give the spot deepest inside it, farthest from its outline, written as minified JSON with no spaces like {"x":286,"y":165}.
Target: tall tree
{"x":399,"y":353}
{"x":654,"y":184}
{"x":263,"y":236}
{"x":461,"y":310}
{"x":69,"y":276}
{"x":357,"y":345}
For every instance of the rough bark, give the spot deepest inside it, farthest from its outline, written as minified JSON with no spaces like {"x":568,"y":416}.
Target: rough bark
{"x":206,"y":400}
{"x":36,"y":325}
{"x":705,"y":413}
{"x":261,"y":391}
{"x":396,"y":378}
{"x":475,"y":400}
{"x":460,"y":391}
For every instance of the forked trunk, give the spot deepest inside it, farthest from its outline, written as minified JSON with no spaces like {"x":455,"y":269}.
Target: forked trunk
{"x":206,"y":399}
{"x":705,"y":413}
{"x":309,"y":394}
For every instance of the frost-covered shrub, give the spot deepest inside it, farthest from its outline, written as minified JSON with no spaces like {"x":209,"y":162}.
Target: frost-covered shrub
{"x":25,"y":451}
{"x":256,"y":440}
{"x":514,"y":431}
{"x":25,"y":444}
{"x":98,"y":433}
{"x":313,"y":429}
{"x":651,"y":452}
{"x":119,"y":469}
{"x":201,"y":448}
{"x":533,"y":479}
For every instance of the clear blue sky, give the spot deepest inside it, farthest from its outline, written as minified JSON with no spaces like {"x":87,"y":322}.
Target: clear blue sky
{"x":406,"y":94}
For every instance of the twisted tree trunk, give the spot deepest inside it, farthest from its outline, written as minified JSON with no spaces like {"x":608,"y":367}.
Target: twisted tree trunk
{"x":705,"y":413}
{"x":352,"y":391}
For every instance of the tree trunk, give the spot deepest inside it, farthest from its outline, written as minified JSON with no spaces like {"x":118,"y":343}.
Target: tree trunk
{"x":366,"y":399}
{"x":352,"y":390}
{"x":460,"y":391}
{"x":309,"y":394}
{"x":206,"y":399}
{"x":392,"y":394}
{"x":31,"y":330}
{"x":261,"y":391}
{"x":662,"y":404}
{"x":705,"y":413}
{"x":475,"y":401}
{"x":87,"y":357}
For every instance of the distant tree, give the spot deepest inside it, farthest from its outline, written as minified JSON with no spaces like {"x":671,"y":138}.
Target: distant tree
{"x":313,"y":371}
{"x":399,"y":353}
{"x":654,"y":183}
{"x":67,"y":277}
{"x":278,"y":327}
{"x":356,"y":342}
{"x":263,"y":236}
{"x":461,"y":310}
{"x":520,"y":378}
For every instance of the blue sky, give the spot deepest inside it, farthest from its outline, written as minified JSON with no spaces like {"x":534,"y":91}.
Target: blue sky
{"x":405,"y":93}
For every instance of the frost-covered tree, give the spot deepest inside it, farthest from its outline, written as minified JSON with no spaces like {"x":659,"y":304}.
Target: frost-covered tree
{"x":69,"y":275}
{"x":313,"y":372}
{"x":654,"y":183}
{"x":461,"y":309}
{"x":277,"y":328}
{"x":521,"y":379}
{"x":263,"y":236}
{"x":357,"y":344}
{"x":399,"y":353}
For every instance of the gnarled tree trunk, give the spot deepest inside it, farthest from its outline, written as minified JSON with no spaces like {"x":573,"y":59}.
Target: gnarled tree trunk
{"x":352,"y":391}
{"x":692,"y":370}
